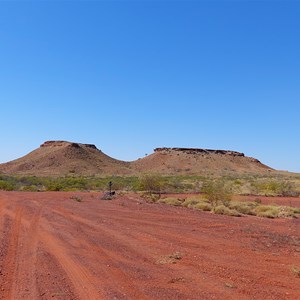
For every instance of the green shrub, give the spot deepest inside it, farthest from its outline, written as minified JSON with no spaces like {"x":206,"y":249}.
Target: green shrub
{"x":275,"y":187}
{"x":7,"y":186}
{"x":151,"y":183}
{"x":217,"y":193}
{"x":30,"y":188}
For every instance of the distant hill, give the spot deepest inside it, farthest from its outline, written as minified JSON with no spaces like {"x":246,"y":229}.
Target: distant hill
{"x":61,"y":158}
{"x":199,"y":162}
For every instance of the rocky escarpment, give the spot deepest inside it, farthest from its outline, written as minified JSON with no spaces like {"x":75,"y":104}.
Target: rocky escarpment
{"x":199,"y":151}
{"x":64,"y":143}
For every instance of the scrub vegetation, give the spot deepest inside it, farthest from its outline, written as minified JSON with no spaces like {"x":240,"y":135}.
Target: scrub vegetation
{"x":213,"y":194}
{"x":279,"y":185}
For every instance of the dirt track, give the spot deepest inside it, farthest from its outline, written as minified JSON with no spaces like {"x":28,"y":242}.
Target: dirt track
{"x":53,"y":247}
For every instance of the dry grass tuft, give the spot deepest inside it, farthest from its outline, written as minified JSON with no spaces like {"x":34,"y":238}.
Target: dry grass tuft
{"x":170,"y":259}
{"x":224,"y":210}
{"x":296,"y":271}
{"x":171,"y":201}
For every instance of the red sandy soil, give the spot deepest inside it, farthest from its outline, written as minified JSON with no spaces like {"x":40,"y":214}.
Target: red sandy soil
{"x":53,"y":247}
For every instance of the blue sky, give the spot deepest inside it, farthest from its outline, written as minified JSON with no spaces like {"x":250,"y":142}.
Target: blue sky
{"x":130,"y":76}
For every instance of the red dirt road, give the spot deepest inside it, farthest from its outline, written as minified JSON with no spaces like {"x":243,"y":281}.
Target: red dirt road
{"x":53,"y":247}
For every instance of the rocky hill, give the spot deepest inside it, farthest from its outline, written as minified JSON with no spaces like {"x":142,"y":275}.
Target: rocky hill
{"x":61,"y":158}
{"x":199,"y":162}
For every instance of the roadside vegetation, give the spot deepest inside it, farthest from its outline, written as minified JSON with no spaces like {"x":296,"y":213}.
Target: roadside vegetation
{"x":211,"y":194}
{"x":232,"y":208}
{"x":279,"y":185}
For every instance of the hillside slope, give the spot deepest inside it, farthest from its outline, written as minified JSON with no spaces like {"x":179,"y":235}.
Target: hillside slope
{"x":61,"y":158}
{"x":198,"y":162}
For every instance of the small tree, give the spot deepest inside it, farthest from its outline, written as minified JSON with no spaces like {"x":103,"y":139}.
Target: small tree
{"x":217,"y":193}
{"x":151,"y":183}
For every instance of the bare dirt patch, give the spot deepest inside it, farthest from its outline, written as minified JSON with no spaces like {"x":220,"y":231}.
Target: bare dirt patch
{"x":53,"y":247}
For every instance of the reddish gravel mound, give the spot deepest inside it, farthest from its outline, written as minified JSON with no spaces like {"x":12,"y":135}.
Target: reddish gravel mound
{"x":60,"y":158}
{"x":55,"y":247}
{"x":191,"y":161}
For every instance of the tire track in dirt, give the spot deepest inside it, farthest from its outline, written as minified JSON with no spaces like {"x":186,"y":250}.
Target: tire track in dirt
{"x":215,"y":267}
{"x":89,"y":249}
{"x":25,"y":278}
{"x":9,"y":265}
{"x":120,"y":250}
{"x":131,"y":249}
{"x":83,"y":281}
{"x":78,"y":276}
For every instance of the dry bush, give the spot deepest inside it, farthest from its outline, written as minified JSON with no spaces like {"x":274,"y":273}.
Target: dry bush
{"x":76,"y":198}
{"x":203,"y":206}
{"x":224,"y":210}
{"x":296,"y":271}
{"x":171,"y":201}
{"x":245,"y":208}
{"x":191,"y":201}
{"x":272,"y":211}
{"x":150,"y":197}
{"x":170,"y":259}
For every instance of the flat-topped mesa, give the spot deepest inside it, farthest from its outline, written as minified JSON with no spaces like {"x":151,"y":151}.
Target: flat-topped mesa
{"x":65,"y":143}
{"x":199,"y":151}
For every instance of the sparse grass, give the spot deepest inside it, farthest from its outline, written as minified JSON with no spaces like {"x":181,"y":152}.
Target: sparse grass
{"x":245,"y":208}
{"x":224,"y":210}
{"x":267,"y":211}
{"x":30,"y":188}
{"x":203,"y":206}
{"x":171,"y":201}
{"x":170,"y":259}
{"x":274,"y":211}
{"x":234,"y":208}
{"x":296,"y":271}
{"x":296,"y":210}
{"x":230,"y":285}
{"x":150,"y":197}
{"x":76,"y":198}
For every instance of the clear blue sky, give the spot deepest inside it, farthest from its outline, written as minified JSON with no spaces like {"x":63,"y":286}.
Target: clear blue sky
{"x":130,"y":76}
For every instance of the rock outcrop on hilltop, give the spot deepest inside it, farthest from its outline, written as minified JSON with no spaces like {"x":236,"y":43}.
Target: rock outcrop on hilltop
{"x":62,"y":158}
{"x":199,"y":150}
{"x":64,"y":143}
